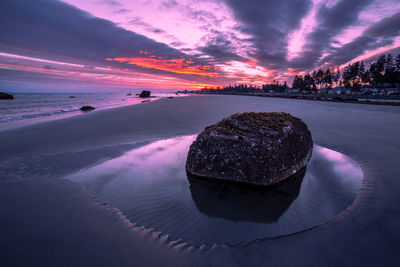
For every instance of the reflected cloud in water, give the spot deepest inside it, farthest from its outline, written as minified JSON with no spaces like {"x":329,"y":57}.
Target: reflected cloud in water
{"x":150,"y":187}
{"x":341,"y":163}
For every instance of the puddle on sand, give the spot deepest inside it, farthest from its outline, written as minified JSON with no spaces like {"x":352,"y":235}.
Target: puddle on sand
{"x":150,"y":187}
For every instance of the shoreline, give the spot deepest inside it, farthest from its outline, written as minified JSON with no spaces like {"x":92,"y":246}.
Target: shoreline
{"x":61,"y":114}
{"x":316,"y":97}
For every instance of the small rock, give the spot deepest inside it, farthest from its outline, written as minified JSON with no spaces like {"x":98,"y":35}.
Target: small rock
{"x":6,"y":96}
{"x":144,"y":94}
{"x":72,"y":96}
{"x":87,"y":108}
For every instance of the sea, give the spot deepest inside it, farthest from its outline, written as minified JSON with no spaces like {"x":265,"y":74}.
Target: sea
{"x":30,"y":108}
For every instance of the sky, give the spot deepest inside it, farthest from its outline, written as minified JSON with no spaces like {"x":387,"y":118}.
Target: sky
{"x":117,"y":45}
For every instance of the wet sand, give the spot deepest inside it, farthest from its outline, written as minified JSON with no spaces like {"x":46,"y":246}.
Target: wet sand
{"x":50,"y":221}
{"x":150,"y":187}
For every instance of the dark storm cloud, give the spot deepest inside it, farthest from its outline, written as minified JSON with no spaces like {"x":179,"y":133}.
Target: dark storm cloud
{"x":331,"y":21}
{"x":221,"y":54}
{"x":269,"y":23}
{"x":54,"y":30}
{"x":380,"y":34}
{"x":220,"y":48}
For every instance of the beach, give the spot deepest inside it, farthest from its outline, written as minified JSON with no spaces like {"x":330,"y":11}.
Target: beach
{"x":49,"y":220}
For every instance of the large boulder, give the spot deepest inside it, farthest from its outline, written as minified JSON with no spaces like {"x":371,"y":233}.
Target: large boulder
{"x":255,"y":147}
{"x":6,"y":96}
{"x":145,"y":94}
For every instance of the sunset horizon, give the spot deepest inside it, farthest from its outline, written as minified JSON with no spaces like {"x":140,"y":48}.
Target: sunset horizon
{"x":108,"y":45}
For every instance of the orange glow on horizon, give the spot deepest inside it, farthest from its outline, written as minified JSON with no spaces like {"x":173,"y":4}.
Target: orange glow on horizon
{"x":293,"y":72}
{"x":116,"y":77}
{"x":181,"y":65}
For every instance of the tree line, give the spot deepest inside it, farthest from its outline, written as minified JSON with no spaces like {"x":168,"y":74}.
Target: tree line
{"x":384,"y":72}
{"x":244,"y":88}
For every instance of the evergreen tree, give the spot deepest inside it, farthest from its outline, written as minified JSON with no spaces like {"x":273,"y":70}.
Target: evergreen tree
{"x":308,"y":82}
{"x":298,"y":82}
{"x":336,"y":76}
{"x":397,"y":69}
{"x":390,"y":70}
{"x":347,"y":76}
{"x":327,"y":79}
{"x":319,"y":78}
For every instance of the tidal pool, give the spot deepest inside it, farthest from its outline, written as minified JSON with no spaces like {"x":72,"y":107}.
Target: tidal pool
{"x":150,"y":187}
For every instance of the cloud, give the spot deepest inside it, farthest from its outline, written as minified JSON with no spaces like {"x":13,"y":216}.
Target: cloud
{"x":174,"y":65}
{"x":269,"y":23}
{"x":378,"y":35}
{"x":246,"y":40}
{"x":331,"y":21}
{"x":220,"y":48}
{"x":138,"y":22}
{"x":122,"y":11}
{"x":54,"y":30}
{"x":179,"y":65}
{"x":111,"y":3}
{"x":169,"y":3}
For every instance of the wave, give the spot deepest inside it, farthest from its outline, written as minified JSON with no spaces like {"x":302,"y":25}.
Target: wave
{"x":63,"y":111}
{"x":37,"y":115}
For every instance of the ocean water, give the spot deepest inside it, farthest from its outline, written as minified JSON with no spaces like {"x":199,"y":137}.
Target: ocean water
{"x":37,"y":107}
{"x":200,"y":212}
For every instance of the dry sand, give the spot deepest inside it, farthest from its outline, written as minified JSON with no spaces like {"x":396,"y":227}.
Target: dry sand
{"x":47,"y":221}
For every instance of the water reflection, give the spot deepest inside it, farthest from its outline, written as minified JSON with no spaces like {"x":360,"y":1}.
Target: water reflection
{"x":237,"y":202}
{"x":150,"y":186}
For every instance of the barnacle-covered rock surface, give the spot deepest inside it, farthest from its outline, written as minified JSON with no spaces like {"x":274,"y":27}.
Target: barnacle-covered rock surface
{"x":260,"y":148}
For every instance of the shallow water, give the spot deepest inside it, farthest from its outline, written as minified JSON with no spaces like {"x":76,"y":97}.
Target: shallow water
{"x":150,"y":187}
{"x":38,"y":107}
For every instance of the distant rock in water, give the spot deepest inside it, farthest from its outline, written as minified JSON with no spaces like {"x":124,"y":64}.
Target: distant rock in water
{"x":256,"y":147}
{"x":6,"y":96}
{"x":87,"y":108}
{"x":72,"y":96}
{"x":145,"y":94}
{"x":129,"y":94}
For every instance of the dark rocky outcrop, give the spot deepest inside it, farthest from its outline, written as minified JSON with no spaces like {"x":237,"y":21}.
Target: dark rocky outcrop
{"x":144,"y":94}
{"x":87,"y":108}
{"x":72,"y":96}
{"x":257,"y":148}
{"x":6,"y":96}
